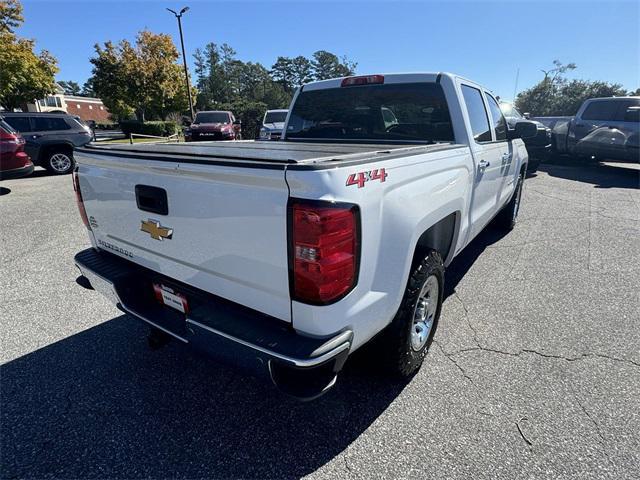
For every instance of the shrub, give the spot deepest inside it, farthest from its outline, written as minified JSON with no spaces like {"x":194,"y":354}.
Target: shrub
{"x":157,"y":128}
{"x":106,"y":126}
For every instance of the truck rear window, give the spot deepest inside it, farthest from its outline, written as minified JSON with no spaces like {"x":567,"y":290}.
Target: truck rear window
{"x":396,"y":112}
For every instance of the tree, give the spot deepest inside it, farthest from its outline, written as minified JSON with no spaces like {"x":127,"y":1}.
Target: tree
{"x":143,"y":78}
{"x":24,"y":75}
{"x":10,"y":15}
{"x":556,"y":95}
{"x":327,"y":65}
{"x":70,"y":87}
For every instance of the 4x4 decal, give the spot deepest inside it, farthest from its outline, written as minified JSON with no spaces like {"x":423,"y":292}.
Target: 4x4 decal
{"x":362,"y":177}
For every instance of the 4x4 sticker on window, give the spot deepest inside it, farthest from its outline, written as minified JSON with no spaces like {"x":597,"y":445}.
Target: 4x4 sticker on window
{"x":363,"y":177}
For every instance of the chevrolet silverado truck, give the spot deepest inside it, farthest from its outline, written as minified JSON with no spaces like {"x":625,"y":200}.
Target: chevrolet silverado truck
{"x":289,"y":256}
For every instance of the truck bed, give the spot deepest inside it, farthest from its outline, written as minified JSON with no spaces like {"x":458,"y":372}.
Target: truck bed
{"x":265,"y":154}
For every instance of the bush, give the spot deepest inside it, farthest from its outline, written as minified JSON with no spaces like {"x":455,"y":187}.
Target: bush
{"x":106,"y":126}
{"x":157,"y":128}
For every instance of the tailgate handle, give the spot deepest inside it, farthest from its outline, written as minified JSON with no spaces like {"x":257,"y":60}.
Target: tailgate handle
{"x":152,"y":199}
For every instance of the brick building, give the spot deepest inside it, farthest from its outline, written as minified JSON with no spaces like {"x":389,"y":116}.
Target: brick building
{"x":87,"y":108}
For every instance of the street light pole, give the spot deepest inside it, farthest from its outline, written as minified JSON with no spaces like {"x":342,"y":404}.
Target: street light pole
{"x":184,"y":58}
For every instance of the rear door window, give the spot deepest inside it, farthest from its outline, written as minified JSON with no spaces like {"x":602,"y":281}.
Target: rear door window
{"x":21,"y":124}
{"x":499,"y":123}
{"x":628,"y":110}
{"x":477,"y":114}
{"x":48,"y":124}
{"x":601,"y":110}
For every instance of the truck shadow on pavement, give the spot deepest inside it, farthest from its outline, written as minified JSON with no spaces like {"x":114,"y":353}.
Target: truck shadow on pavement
{"x":601,"y":175}
{"x":101,"y":404}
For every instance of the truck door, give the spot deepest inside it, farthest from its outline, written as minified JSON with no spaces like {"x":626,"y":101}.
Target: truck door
{"x":593,"y":129}
{"x":487,"y":160}
{"x":624,"y":138}
{"x":508,"y":176}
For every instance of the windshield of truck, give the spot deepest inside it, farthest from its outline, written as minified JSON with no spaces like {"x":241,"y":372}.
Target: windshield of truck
{"x":396,"y":112}
{"x":212,"y":117}
{"x":275,"y":117}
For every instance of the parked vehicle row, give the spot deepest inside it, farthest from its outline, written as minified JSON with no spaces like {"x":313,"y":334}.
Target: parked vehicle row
{"x":603,"y":128}
{"x":14,"y":161}
{"x":50,"y":138}
{"x":288,"y":256}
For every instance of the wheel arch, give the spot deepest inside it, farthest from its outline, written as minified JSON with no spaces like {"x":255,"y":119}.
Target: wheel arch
{"x":442,"y":237}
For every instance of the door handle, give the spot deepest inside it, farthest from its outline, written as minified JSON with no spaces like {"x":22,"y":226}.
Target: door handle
{"x":483,"y":164}
{"x":35,"y":136}
{"x":506,"y":157}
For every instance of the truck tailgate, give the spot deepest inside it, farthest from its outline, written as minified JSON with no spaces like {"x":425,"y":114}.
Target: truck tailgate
{"x":224,"y":230}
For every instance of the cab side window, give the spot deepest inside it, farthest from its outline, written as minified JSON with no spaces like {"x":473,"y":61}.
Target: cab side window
{"x":50,"y":124}
{"x":21,"y":124}
{"x":477,"y":114}
{"x":499,"y":123}
{"x":600,"y":110}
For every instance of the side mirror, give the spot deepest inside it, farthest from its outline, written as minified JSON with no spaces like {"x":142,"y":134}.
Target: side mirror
{"x":524,"y":130}
{"x":237,"y":122}
{"x":526,"y":115}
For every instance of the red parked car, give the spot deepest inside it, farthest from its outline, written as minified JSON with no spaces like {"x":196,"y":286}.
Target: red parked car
{"x":14,"y":162}
{"x":213,"y":125}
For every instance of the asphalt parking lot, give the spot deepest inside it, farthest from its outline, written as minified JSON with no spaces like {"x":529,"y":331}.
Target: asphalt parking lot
{"x":534,"y":372}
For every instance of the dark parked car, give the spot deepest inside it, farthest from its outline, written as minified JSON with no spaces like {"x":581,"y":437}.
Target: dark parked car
{"x":538,"y":147}
{"x":14,"y":162}
{"x":50,"y":138}
{"x":213,"y":125}
{"x":603,"y":128}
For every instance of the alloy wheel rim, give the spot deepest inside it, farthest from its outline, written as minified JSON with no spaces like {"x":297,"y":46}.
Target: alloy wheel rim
{"x":60,"y":162}
{"x":424,"y":313}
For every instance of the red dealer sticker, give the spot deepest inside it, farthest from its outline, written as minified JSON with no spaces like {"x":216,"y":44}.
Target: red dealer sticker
{"x":363,"y":177}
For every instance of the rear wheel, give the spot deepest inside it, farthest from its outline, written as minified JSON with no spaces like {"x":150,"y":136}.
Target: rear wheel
{"x":508,"y":216}
{"x":60,"y":162}
{"x":406,"y":341}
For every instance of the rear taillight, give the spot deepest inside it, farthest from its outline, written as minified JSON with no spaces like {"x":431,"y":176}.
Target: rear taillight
{"x":324,"y":250}
{"x":362,"y":80}
{"x":8,"y":137}
{"x":79,"y":201}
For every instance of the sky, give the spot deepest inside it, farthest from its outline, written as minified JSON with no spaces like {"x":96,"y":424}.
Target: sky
{"x":491,"y":42}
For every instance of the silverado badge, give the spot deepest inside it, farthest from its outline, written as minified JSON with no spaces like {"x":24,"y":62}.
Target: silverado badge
{"x":157,"y":231}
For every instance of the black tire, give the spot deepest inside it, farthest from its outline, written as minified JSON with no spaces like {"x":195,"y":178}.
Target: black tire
{"x":402,"y":358}
{"x":60,"y":161}
{"x":508,"y":216}
{"x":533,"y":165}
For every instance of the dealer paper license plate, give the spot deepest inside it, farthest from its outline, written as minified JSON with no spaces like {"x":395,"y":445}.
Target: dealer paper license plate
{"x":171,"y":298}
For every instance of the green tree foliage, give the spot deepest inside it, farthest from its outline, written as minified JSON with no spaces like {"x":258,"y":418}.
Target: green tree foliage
{"x":326,"y":65}
{"x":24,"y":75}
{"x":556,"y":95}
{"x":70,"y":87}
{"x":248,"y":89}
{"x":10,"y":15}
{"x":144,"y":78}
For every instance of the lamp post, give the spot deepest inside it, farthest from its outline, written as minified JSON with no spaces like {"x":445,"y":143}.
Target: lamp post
{"x":184,"y":58}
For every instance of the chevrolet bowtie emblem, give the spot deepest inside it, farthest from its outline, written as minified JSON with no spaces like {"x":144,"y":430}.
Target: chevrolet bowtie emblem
{"x":156,"y":231}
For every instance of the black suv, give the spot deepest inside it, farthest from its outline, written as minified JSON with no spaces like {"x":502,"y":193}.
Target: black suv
{"x":50,"y":138}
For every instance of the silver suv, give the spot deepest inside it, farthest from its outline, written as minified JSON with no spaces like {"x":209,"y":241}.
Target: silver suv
{"x":50,"y":138}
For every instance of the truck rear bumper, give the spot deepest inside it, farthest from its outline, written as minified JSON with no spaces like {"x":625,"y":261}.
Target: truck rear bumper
{"x":301,"y":366}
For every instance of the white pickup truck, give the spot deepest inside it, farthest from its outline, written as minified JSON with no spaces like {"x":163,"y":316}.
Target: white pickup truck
{"x":288,"y":256}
